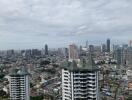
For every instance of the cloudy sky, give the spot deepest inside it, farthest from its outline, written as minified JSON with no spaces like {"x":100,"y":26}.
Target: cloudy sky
{"x":32,"y":23}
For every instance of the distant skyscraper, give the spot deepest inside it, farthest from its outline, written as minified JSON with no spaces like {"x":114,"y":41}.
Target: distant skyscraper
{"x":87,"y":44}
{"x":19,"y":84}
{"x":73,"y":52}
{"x":46,"y":50}
{"x":10,"y":52}
{"x":115,"y":47}
{"x":130,"y":43}
{"x":63,"y":52}
{"x":119,"y":56}
{"x":125,"y":46}
{"x":36,"y":52}
{"x":80,"y":81}
{"x":91,"y":48}
{"x":28,"y":52}
{"x":108,"y":45}
{"x":103,"y":48}
{"x":129,"y":56}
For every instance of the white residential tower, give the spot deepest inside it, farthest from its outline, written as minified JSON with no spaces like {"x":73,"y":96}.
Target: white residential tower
{"x":19,"y":84}
{"x":80,"y":81}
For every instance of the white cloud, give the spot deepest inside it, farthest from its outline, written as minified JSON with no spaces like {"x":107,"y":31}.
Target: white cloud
{"x":65,"y":18}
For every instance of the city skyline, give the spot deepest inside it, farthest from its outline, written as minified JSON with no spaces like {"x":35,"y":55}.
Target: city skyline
{"x":41,"y":45}
{"x":33,"y":23}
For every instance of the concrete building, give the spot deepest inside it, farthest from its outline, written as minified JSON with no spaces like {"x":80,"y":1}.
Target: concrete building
{"x":80,"y":81}
{"x":19,"y":84}
{"x":73,"y":52}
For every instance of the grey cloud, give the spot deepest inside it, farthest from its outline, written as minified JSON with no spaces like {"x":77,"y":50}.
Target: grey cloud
{"x":65,"y":18}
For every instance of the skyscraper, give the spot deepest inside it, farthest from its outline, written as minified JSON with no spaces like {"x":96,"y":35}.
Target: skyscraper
{"x":19,"y":84}
{"x":63,"y":52}
{"x":80,"y":81}
{"x":119,"y":56}
{"x":103,"y":48}
{"x":108,"y":45}
{"x":129,"y":56}
{"x":91,"y":48}
{"x":73,"y":52}
{"x":87,"y":44}
{"x":46,"y":50}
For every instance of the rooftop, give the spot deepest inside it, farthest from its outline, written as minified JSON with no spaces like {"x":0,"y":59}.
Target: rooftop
{"x":21,"y":71}
{"x":83,"y":65}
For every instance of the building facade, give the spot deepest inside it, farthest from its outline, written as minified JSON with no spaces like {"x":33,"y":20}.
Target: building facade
{"x":103,"y":48}
{"x":73,"y":52}
{"x":19,"y":84}
{"x":80,"y":82}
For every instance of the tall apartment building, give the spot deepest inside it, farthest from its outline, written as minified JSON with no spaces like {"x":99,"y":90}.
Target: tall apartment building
{"x":73,"y":52}
{"x":80,"y":81}
{"x":19,"y":84}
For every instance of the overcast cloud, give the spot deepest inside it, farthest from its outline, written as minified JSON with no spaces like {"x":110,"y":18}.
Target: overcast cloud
{"x":32,"y":23}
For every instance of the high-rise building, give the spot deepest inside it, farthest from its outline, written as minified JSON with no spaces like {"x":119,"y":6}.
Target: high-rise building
{"x":19,"y":84}
{"x":108,"y":45}
{"x":91,"y":48}
{"x":119,"y":56}
{"x":46,"y":50}
{"x":36,"y":52}
{"x":80,"y":81}
{"x":103,"y":48}
{"x":130,"y":43}
{"x":129,"y":56}
{"x":123,"y":55}
{"x":10,"y":52}
{"x":73,"y":52}
{"x":63,"y":52}
{"x":28,"y":52}
{"x":115,"y":47}
{"x":87,"y":44}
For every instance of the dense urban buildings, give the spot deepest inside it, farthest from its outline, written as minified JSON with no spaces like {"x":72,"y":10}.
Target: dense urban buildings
{"x":70,"y":50}
{"x":67,"y":73}
{"x":19,"y":84}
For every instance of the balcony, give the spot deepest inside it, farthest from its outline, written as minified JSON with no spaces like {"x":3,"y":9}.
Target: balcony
{"x":92,"y":89}
{"x":91,"y":77}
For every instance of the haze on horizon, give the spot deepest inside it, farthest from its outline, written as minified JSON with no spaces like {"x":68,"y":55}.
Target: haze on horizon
{"x":33,"y":23}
